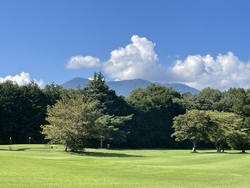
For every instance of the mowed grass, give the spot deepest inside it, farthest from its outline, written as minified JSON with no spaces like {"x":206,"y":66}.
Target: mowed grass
{"x":36,"y":166}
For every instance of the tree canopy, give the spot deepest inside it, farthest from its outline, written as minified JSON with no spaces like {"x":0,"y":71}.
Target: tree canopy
{"x":154,"y":109}
{"x":71,"y":121}
{"x":82,"y":115}
{"x":145,"y":119}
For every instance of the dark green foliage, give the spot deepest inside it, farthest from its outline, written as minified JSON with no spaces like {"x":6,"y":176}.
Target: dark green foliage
{"x":113,"y":128}
{"x":53,"y":93}
{"x":9,"y":108}
{"x":114,"y":107}
{"x":192,"y":126}
{"x":23,"y":110}
{"x":208,"y":99}
{"x":211,"y":99}
{"x":226,"y":102}
{"x":241,"y":104}
{"x":187,"y":101}
{"x":154,"y":110}
{"x":238,"y":136}
{"x":33,"y":112}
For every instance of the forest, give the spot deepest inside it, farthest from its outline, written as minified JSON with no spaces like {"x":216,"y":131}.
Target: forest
{"x":152,"y":117}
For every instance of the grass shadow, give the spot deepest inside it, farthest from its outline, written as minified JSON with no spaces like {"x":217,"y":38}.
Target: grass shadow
{"x":103,"y":154}
{"x":11,"y":149}
{"x":4,"y":149}
{"x":215,"y":152}
{"x":243,"y":153}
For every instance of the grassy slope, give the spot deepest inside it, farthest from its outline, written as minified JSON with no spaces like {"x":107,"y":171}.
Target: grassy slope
{"x":36,"y":166}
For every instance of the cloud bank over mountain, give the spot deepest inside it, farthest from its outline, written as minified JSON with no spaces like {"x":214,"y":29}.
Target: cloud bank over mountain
{"x":139,"y":60}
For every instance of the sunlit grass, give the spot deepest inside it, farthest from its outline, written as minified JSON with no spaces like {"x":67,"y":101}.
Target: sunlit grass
{"x":37,"y":166}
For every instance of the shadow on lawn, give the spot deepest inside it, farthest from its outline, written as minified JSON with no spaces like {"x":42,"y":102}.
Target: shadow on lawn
{"x":103,"y":154}
{"x":11,"y":149}
{"x":215,"y":152}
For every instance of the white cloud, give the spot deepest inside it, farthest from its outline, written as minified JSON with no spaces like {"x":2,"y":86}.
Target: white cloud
{"x":133,"y":61}
{"x":139,"y":60}
{"x":204,"y":71}
{"x":77,"y":62}
{"x":21,"y":79}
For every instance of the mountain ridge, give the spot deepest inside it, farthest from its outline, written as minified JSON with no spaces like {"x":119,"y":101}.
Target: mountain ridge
{"x":124,"y":87}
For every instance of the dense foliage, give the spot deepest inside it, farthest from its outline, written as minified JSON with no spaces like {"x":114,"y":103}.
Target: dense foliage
{"x":152,"y":117}
{"x":22,"y":111}
{"x":71,"y":121}
{"x":154,"y":108}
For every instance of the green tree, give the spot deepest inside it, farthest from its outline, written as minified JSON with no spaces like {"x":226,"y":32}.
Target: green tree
{"x":187,"y":101}
{"x":74,"y":119}
{"x":10,"y":110}
{"x":32,"y":106}
{"x":23,"y":109}
{"x":154,"y":109}
{"x":111,"y":128}
{"x":208,"y":99}
{"x":113,"y":107}
{"x":238,"y":136}
{"x":222,"y":128}
{"x":53,"y":93}
{"x":226,"y":102}
{"x":241,"y":104}
{"x":191,"y":126}
{"x":71,"y":121}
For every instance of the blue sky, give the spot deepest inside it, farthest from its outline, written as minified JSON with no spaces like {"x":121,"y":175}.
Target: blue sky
{"x":198,"y":43}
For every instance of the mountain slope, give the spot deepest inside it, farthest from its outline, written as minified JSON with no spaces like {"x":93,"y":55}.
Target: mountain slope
{"x":124,"y":87}
{"x":75,"y":82}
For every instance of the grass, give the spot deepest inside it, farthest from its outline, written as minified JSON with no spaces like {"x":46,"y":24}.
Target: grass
{"x":37,"y":166}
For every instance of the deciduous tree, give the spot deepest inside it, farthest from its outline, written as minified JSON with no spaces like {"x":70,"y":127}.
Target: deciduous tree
{"x":71,"y":121}
{"x":191,"y":126}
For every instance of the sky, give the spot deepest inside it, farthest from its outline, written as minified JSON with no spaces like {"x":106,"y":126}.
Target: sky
{"x":198,"y":43}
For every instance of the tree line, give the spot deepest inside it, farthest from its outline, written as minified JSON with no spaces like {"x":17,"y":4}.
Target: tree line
{"x":153,"y":117}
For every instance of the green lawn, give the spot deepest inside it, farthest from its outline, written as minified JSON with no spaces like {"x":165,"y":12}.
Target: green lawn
{"x":37,"y":166}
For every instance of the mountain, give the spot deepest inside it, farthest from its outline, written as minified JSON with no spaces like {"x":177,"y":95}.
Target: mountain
{"x":124,"y":87}
{"x":75,"y":82}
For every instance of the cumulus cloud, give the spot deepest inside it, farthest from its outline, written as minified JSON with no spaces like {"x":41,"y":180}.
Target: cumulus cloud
{"x":77,"y":62}
{"x":133,"y":61}
{"x":223,"y":72}
{"x":22,"y":79}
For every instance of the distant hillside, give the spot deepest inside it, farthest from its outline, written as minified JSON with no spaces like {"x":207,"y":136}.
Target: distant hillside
{"x":124,"y":87}
{"x":75,"y":82}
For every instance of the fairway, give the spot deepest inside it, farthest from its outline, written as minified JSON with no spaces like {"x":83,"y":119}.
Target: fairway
{"x":37,"y":166}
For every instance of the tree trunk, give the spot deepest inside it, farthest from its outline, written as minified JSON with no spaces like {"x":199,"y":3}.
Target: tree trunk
{"x":101,"y":142}
{"x":66,"y":147}
{"x":243,"y":151}
{"x":194,"y":146}
{"x":217,"y":147}
{"x":222,"y":148}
